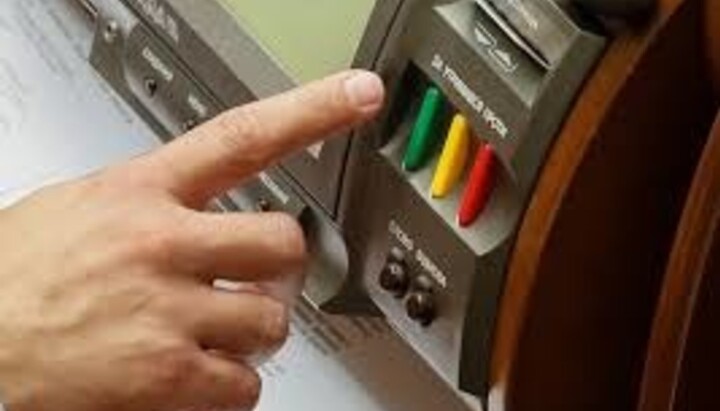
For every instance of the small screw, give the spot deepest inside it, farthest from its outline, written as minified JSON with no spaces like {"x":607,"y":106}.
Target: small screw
{"x":263,"y":205}
{"x":151,"y":86}
{"x":189,"y":125}
{"x":111,"y":32}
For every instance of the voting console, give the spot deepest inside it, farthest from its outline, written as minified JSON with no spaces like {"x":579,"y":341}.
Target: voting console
{"x":413,"y":216}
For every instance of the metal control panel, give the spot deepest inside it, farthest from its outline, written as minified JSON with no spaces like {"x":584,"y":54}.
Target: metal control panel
{"x":448,"y":170}
{"x":413,"y":216}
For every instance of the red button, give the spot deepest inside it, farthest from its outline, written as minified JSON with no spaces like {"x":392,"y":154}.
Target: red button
{"x":479,"y":186}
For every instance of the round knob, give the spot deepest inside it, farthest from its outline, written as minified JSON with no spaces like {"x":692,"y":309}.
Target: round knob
{"x":395,"y":279}
{"x":421,"y":307}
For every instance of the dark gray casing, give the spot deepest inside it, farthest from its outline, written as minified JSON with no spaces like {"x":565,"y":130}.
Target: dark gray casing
{"x":180,"y":62}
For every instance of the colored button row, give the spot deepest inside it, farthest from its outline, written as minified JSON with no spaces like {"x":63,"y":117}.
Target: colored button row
{"x":426,"y":136}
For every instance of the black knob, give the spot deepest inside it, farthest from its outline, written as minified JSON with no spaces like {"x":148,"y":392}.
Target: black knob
{"x":395,"y":278}
{"x":421,"y":307}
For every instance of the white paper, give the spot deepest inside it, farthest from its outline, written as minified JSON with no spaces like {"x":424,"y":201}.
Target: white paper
{"x":58,"y":120}
{"x":350,"y":364}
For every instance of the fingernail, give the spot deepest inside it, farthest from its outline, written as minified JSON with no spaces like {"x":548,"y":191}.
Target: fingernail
{"x":365,"y":90}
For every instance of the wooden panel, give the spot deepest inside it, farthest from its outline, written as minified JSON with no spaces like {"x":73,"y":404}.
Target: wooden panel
{"x":684,"y":353}
{"x":698,"y":388}
{"x":712,"y":28}
{"x":590,"y":257}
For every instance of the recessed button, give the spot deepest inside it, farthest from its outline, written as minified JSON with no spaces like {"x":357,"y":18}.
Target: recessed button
{"x":426,"y":132}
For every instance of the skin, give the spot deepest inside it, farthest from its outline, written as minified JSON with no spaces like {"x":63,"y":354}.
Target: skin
{"x":106,"y":294}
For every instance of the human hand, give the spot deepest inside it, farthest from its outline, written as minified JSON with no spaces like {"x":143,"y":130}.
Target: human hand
{"x":106,"y":297}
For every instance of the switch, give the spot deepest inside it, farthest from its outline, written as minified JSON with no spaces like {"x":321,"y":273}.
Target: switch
{"x":425,"y":133}
{"x":453,"y":159}
{"x":479,"y":186}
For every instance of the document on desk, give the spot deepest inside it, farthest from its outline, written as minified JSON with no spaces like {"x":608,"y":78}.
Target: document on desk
{"x":58,"y":120}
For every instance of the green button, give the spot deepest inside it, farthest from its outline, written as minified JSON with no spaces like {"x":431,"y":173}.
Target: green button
{"x":426,"y":132}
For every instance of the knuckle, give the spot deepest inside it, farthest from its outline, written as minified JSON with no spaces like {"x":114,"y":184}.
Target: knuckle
{"x":154,"y":242}
{"x":175,"y":368}
{"x":289,"y":238}
{"x":241,"y":132}
{"x":249,"y":390}
{"x":233,"y":386}
{"x":332,"y":97}
{"x":339,"y":100}
{"x":239,"y":388}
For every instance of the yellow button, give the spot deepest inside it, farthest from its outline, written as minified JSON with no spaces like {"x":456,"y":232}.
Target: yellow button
{"x":453,"y":158}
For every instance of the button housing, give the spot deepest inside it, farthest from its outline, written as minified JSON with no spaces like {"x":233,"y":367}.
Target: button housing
{"x":514,"y":105}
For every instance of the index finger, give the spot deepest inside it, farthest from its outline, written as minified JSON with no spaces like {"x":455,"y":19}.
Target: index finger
{"x":245,"y":140}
